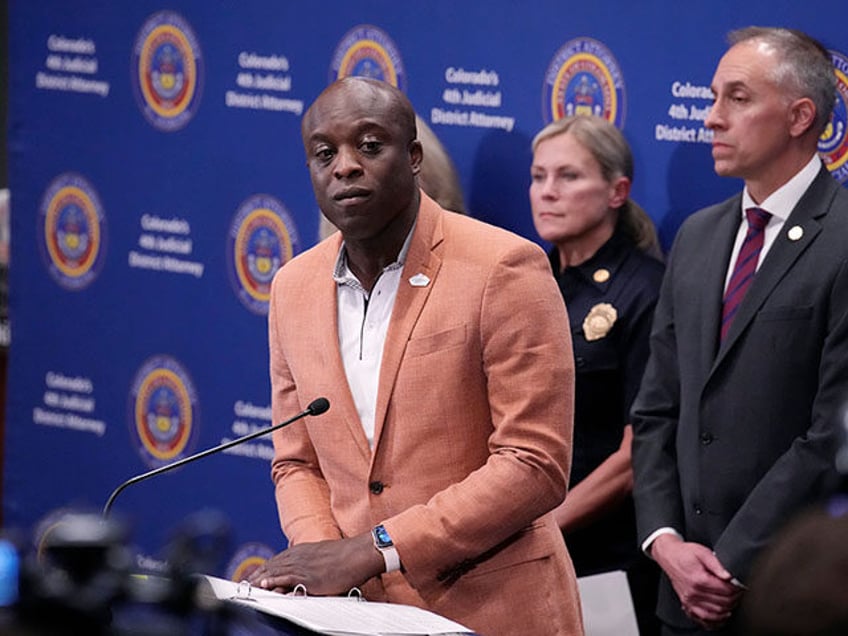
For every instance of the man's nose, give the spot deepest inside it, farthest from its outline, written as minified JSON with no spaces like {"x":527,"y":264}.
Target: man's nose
{"x":713,"y":118}
{"x":347,"y":163}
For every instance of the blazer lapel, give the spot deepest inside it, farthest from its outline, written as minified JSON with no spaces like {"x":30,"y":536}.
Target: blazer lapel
{"x":417,"y":279}
{"x":783,"y":254}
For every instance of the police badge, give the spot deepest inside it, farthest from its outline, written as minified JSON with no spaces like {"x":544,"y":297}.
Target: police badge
{"x":599,"y":321}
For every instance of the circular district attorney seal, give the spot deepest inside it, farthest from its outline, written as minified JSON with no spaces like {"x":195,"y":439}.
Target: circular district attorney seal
{"x":833,"y":143}
{"x":367,"y":51}
{"x":167,"y":71}
{"x":163,"y":411}
{"x":584,"y":78}
{"x":72,"y":231}
{"x":262,"y":238}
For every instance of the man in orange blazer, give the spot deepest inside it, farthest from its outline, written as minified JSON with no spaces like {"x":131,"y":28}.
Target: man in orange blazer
{"x":442,"y":345}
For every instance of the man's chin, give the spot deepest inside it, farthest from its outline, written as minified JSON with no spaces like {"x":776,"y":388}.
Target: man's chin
{"x":723,"y":168}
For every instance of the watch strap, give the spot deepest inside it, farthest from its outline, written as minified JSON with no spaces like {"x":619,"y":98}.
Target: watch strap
{"x":390,"y":554}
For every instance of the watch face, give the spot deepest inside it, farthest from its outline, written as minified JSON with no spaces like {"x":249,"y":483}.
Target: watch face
{"x":382,"y":537}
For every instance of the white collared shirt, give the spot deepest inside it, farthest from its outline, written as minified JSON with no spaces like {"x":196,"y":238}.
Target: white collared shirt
{"x":363,"y":324}
{"x":779,"y":204}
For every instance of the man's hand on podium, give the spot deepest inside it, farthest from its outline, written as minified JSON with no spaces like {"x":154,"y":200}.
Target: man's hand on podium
{"x":325,"y":568}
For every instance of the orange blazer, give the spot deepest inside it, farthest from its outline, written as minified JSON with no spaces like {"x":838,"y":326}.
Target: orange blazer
{"x":472,"y":434}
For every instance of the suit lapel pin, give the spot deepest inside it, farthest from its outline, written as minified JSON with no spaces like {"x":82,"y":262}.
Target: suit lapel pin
{"x":419,"y":280}
{"x":795,"y":233}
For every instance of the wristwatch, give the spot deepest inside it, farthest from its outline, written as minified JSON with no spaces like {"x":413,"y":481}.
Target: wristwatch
{"x":383,"y":543}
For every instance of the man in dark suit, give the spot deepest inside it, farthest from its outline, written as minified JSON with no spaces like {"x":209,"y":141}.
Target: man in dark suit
{"x":735,"y":420}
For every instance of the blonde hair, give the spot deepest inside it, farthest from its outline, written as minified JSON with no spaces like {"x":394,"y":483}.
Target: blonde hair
{"x":612,"y":152}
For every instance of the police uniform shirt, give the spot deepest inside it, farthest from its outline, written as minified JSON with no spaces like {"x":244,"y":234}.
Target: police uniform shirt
{"x":610,"y":300}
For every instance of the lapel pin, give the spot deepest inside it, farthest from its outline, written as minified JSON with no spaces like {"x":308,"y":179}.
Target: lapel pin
{"x":795,"y":233}
{"x":601,"y":275}
{"x":419,"y":280}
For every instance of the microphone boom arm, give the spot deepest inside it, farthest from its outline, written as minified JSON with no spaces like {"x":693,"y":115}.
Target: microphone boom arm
{"x":316,"y":407}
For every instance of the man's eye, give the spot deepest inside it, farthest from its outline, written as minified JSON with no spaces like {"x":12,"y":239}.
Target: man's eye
{"x":371,"y":147}
{"x":324,"y":154}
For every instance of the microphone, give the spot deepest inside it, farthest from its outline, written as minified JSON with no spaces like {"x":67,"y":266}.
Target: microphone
{"x":316,"y":407}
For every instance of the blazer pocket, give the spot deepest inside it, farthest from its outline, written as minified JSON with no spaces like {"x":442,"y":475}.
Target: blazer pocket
{"x":529,"y":544}
{"x":421,"y":346}
{"x":786,"y":313}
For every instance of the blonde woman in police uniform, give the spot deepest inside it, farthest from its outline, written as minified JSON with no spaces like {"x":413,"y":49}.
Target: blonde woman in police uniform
{"x":603,"y":256}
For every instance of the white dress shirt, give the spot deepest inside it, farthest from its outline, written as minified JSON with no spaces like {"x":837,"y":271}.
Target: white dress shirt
{"x":363,"y":324}
{"x":779,"y":204}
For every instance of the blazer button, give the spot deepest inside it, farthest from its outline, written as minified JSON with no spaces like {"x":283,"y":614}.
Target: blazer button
{"x":376,"y":487}
{"x":698,"y":510}
{"x":707,"y":439}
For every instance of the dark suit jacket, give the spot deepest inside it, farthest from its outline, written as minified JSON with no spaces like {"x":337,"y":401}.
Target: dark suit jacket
{"x":730,"y":443}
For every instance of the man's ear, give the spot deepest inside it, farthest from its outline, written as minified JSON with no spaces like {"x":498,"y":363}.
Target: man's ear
{"x":802,"y":115}
{"x":416,"y":155}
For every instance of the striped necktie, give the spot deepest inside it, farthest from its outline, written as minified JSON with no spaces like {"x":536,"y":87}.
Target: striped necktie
{"x":745,"y":267}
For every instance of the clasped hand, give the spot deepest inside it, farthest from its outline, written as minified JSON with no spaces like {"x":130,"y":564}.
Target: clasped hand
{"x":707,"y":594}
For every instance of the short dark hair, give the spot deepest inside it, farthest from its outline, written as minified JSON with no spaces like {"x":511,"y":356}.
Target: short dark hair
{"x":404,"y":110}
{"x":805,"y":68}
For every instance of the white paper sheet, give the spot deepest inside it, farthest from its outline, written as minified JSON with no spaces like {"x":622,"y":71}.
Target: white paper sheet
{"x":338,"y":616}
{"x":607,"y":605}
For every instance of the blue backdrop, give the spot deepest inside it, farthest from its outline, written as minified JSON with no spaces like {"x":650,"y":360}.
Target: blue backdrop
{"x":157,"y":181}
